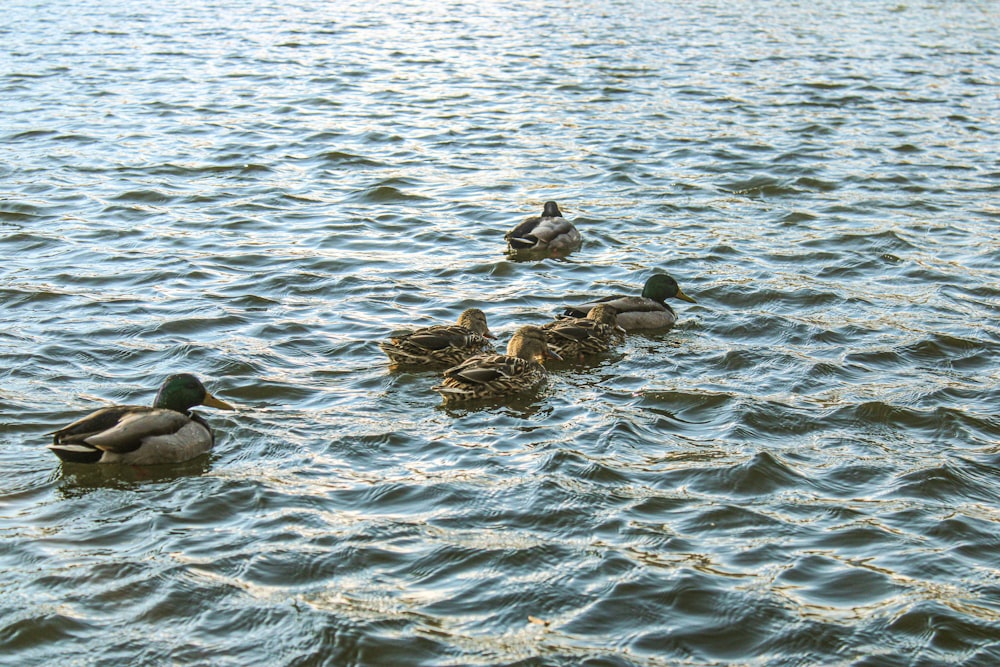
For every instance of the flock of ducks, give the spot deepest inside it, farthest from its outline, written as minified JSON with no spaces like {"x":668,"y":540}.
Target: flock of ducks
{"x":168,"y":432}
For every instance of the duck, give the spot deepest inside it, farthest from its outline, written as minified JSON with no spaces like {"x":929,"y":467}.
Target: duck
{"x":550,"y":233}
{"x":441,"y":345}
{"x":649,"y":311}
{"x":167,"y":432}
{"x":498,"y":376}
{"x":580,"y":337}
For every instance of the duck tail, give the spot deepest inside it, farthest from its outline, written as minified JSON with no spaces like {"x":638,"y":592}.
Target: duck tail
{"x":452,"y":392}
{"x":76,"y":453}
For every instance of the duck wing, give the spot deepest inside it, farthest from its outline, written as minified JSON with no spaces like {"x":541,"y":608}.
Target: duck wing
{"x":524,"y":237}
{"x":575,"y":329}
{"x":616,"y":301}
{"x":119,"y":428}
{"x":443,"y":337}
{"x":540,"y":232}
{"x":95,"y":422}
{"x":622,"y":304}
{"x":440,"y":345}
{"x":133,"y":428}
{"x":487,"y":369}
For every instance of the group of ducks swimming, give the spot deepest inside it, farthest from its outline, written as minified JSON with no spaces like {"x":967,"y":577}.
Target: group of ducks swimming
{"x":168,"y":432}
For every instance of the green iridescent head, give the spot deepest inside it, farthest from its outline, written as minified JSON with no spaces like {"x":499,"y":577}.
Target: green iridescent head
{"x":661,"y":287}
{"x":183,"y":391}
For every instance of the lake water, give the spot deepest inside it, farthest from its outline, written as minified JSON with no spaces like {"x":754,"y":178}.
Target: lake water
{"x":804,"y":471}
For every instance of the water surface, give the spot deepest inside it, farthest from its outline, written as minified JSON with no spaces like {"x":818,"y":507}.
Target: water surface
{"x":803,"y":472}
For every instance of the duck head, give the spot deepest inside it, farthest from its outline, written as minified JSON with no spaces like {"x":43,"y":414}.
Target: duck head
{"x":530,"y":343}
{"x":551,"y":210}
{"x":475,"y":319}
{"x":183,"y":391}
{"x":660,"y":287}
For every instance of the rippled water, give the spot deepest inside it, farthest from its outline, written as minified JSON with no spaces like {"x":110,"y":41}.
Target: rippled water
{"x":804,"y":471}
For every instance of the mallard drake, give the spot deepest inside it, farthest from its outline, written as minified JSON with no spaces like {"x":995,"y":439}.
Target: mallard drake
{"x":441,"y":344}
{"x":649,"y":311}
{"x":550,"y":232}
{"x":492,"y":376}
{"x":139,"y":435}
{"x":579,"y":337}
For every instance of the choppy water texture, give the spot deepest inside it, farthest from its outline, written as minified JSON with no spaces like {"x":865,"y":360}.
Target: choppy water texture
{"x":805,"y":471}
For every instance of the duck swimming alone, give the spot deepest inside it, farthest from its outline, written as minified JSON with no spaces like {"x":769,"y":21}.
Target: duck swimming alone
{"x":140,"y":435}
{"x":550,"y":232}
{"x":574,"y":338}
{"x":649,"y":311}
{"x":493,"y":376}
{"x":441,"y":345}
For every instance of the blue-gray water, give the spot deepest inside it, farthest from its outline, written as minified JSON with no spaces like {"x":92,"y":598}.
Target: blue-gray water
{"x":805,"y":471}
